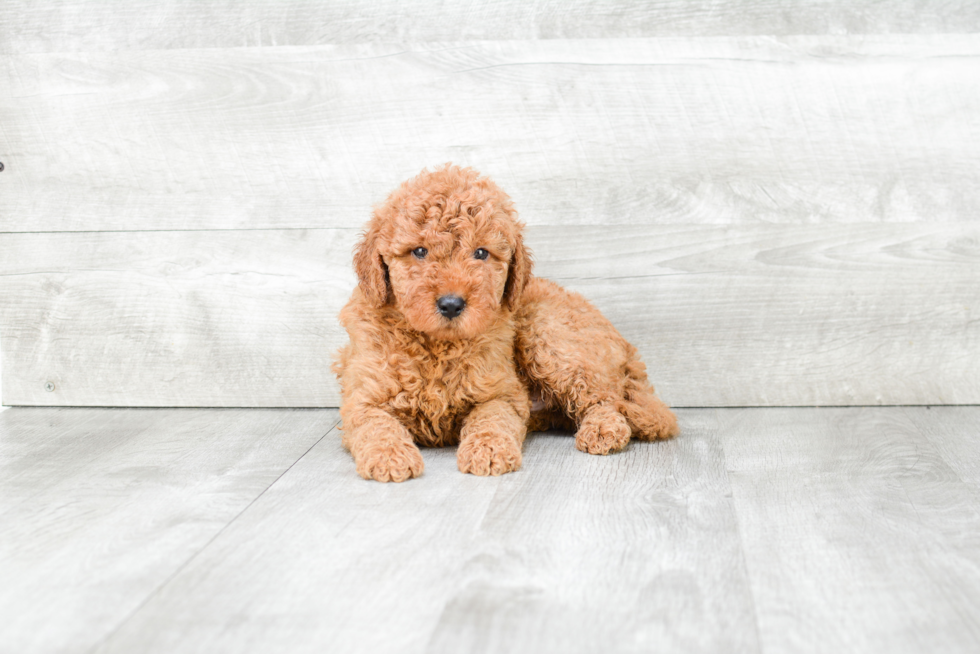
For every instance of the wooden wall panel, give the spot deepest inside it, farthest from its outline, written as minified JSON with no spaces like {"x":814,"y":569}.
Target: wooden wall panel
{"x":618,"y":131}
{"x":226,"y":318}
{"x":77,"y":25}
{"x":736,"y":315}
{"x":183,"y":182}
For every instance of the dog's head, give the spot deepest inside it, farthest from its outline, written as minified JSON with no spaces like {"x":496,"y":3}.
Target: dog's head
{"x":446,"y":249}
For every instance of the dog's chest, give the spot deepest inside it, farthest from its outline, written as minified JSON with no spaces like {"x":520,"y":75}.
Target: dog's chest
{"x":436,"y":395}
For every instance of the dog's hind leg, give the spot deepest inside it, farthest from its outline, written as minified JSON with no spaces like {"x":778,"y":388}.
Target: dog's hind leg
{"x":576,"y":360}
{"x":649,"y":417}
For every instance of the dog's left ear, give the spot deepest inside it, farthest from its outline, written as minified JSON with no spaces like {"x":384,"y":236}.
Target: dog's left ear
{"x":519,"y":272}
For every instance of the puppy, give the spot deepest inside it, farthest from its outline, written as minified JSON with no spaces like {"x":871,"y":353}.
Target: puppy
{"x":451,"y":337}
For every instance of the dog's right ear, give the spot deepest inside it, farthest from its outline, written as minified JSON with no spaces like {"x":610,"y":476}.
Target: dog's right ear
{"x":372,"y":273}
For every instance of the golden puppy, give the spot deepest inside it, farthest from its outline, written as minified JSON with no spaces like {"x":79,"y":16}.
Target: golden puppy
{"x":451,"y":337}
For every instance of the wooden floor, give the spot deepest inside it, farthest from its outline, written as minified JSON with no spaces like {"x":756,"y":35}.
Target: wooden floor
{"x":775,"y":530}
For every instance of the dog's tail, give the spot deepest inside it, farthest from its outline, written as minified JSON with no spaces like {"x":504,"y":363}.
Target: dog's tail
{"x":648,"y":417}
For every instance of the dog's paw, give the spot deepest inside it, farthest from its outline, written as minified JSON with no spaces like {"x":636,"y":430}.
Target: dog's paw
{"x":390,"y":461}
{"x":489,"y":454}
{"x":603,"y":431}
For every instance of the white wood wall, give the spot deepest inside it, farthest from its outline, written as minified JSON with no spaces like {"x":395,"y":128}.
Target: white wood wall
{"x":778,"y":202}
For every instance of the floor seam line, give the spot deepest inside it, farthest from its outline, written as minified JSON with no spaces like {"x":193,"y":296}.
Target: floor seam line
{"x":156,"y":591}
{"x":742,"y":549}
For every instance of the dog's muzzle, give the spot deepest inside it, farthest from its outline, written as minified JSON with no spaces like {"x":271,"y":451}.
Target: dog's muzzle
{"x":450,"y":306}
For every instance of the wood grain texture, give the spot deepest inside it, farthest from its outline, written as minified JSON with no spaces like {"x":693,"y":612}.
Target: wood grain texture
{"x":858,"y":535}
{"x":574,"y":553}
{"x":235,"y":318}
{"x":628,"y":553}
{"x":100,"y":507}
{"x":782,"y":315}
{"x":76,"y":25}
{"x":772,"y":530}
{"x":955,"y":433}
{"x":830,"y":129}
{"x":2,"y":406}
{"x":741,"y":316}
{"x":137,"y":319}
{"x":327,"y":559}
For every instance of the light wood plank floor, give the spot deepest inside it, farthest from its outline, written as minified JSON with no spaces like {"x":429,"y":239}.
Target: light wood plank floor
{"x":772,"y":530}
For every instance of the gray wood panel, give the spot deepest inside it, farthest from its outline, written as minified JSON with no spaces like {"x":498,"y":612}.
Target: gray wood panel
{"x":329,"y":559}
{"x":637,"y":552}
{"x":224,"y":318}
{"x":609,"y":131}
{"x":955,"y":433}
{"x":76,"y":25}
{"x":2,"y":407}
{"x":724,"y":316}
{"x":775,"y":530}
{"x":101,"y":507}
{"x":857,"y":534}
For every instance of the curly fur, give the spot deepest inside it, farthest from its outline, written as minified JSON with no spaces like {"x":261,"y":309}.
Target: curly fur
{"x":411,"y":376}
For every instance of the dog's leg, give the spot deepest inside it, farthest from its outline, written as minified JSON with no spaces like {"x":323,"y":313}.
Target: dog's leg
{"x":566,"y":348}
{"x":382,"y":447}
{"x":649,"y":417}
{"x":491,"y":439}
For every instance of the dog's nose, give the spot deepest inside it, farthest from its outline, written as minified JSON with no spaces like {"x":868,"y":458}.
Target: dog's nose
{"x":451,"y":305}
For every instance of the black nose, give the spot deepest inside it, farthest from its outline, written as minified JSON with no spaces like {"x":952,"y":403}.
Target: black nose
{"x":451,"y":305}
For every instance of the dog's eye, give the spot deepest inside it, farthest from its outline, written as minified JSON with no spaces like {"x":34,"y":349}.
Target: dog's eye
{"x":420,"y":253}
{"x":481,"y":254}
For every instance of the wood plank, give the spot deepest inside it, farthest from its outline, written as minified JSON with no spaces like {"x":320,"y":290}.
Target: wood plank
{"x":2,"y":405}
{"x":955,"y":433}
{"x":326,"y":559}
{"x":857,"y":534}
{"x":787,"y":316}
{"x":754,"y":315}
{"x":235,"y":318}
{"x":604,"y":131}
{"x":73,"y":25}
{"x":631,"y":552}
{"x":854,"y":534}
{"x":100,"y":507}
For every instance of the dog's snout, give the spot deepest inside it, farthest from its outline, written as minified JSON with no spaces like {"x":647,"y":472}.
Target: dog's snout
{"x":450,"y":305}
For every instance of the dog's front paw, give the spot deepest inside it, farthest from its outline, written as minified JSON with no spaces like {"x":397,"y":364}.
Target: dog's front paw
{"x":603,"y":431}
{"x":489,"y":454}
{"x":389,"y":461}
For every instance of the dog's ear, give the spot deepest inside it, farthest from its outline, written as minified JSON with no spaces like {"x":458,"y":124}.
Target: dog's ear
{"x":519,"y":272}
{"x":372,"y":273}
